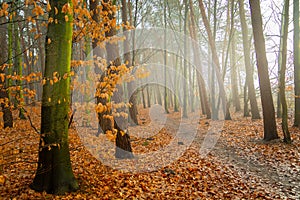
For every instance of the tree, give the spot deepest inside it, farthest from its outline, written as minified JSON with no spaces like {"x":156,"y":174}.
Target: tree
{"x":296,"y":62}
{"x":123,"y":146}
{"x":165,"y":58}
{"x":249,"y":70}
{"x":105,"y":124}
{"x":200,"y":80}
{"x":270,"y":131}
{"x":215,"y":60}
{"x":285,"y":129}
{"x":5,"y":105}
{"x":233,"y":70}
{"x":19,"y":69}
{"x":127,"y":58}
{"x":185,"y":115}
{"x":54,"y":172}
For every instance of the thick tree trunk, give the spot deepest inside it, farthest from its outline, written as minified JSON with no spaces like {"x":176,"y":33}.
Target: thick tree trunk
{"x":249,"y":71}
{"x":296,"y":63}
{"x":54,"y":173}
{"x":105,"y":123}
{"x":123,"y":146}
{"x":270,"y":131}
{"x":7,"y":114}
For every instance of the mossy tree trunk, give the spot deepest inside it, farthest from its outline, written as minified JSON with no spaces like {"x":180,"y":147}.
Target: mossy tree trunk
{"x":54,"y":173}
{"x":19,"y":69}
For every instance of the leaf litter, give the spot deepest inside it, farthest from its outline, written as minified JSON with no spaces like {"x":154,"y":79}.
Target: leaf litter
{"x":239,"y":166}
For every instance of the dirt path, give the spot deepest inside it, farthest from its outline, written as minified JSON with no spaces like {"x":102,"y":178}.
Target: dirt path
{"x":278,"y":176}
{"x":275,"y":178}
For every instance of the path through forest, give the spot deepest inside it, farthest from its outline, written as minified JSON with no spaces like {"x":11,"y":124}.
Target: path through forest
{"x":239,"y":166}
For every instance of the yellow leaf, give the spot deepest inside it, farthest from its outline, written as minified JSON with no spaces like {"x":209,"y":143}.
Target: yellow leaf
{"x":56,"y":10}
{"x":49,"y":41}
{"x":2,"y":179}
{"x":66,"y":18}
{"x":50,"y":20}
{"x":2,"y":76}
{"x":48,"y":7}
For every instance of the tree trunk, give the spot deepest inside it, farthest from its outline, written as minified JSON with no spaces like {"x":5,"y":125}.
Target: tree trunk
{"x":123,"y":146}
{"x":200,"y":80}
{"x":270,"y":131}
{"x":279,"y":107}
{"x":296,"y":63}
{"x":185,"y":114}
{"x":249,"y":71}
{"x":54,"y":173}
{"x":215,"y":60}
{"x":148,"y":96}
{"x":233,"y":70}
{"x":7,"y":114}
{"x":19,"y":69}
{"x":165,"y":59}
{"x":285,"y":129}
{"x":127,"y":58}
{"x":105,"y":123}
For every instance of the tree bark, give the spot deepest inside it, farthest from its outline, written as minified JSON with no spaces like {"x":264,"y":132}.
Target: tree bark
{"x":54,"y":173}
{"x":249,"y":71}
{"x":123,"y":146}
{"x":19,"y":70}
{"x":127,"y":58}
{"x":185,"y":94}
{"x":200,"y":80}
{"x":296,"y":63}
{"x":215,"y":60}
{"x":104,"y":123}
{"x":233,"y":70}
{"x":284,"y":125}
{"x":7,"y":114}
{"x":270,"y":131}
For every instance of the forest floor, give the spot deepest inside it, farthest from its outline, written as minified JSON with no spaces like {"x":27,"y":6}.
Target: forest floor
{"x":175,"y":158}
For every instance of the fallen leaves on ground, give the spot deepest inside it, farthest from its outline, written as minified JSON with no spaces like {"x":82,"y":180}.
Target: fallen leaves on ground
{"x":240,"y":166}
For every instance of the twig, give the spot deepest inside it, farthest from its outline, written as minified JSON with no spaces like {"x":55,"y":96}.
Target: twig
{"x":30,"y":121}
{"x":71,"y":119}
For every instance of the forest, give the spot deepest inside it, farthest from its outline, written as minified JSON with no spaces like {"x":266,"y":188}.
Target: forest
{"x":137,"y":99}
